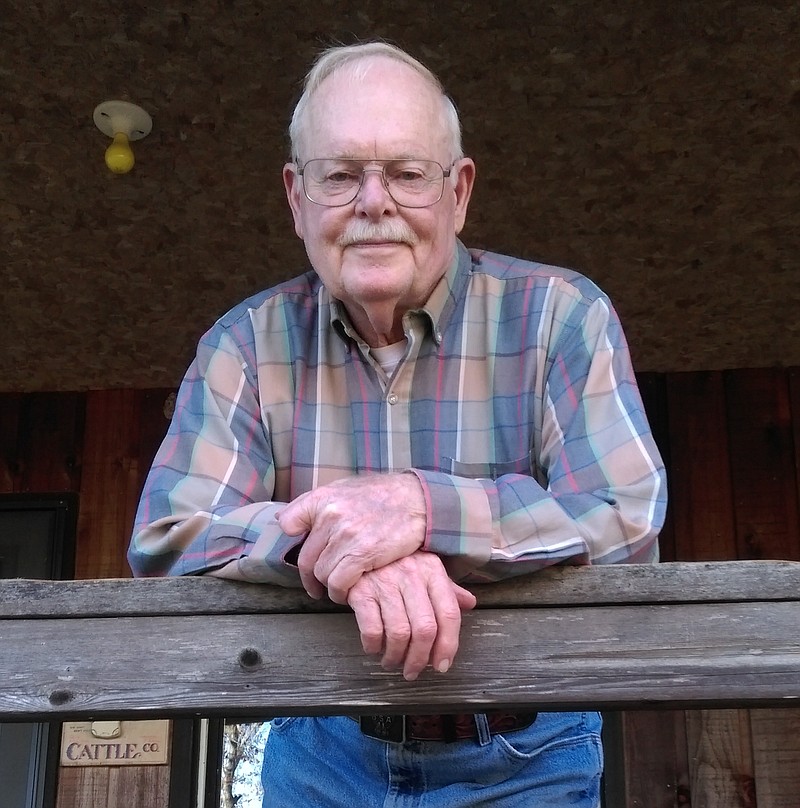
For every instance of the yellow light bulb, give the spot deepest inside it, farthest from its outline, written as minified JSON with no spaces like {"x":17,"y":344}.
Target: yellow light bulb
{"x":119,"y":157}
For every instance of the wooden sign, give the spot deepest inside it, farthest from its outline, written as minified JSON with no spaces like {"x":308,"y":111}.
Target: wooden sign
{"x":115,"y":743}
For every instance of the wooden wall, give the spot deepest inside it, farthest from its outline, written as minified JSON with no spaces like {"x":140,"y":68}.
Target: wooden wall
{"x":100,"y":445}
{"x":732,"y":444}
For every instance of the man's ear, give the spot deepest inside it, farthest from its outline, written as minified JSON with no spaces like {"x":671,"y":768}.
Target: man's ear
{"x":465,"y":179}
{"x":292,"y":182}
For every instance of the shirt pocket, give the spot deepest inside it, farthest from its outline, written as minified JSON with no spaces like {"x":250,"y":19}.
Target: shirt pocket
{"x":489,"y":471}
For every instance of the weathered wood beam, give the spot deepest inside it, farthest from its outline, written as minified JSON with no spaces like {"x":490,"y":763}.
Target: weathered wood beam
{"x":672,"y":635}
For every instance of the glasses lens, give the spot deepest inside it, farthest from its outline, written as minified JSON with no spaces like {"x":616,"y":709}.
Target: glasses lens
{"x":414,"y":183}
{"x":411,"y":183}
{"x":332,"y":182}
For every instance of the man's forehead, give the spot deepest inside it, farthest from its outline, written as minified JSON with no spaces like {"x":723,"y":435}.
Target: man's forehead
{"x":376,"y":70}
{"x":373,"y":106}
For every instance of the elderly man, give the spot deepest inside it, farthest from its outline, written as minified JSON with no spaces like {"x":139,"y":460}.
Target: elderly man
{"x":405,"y":416}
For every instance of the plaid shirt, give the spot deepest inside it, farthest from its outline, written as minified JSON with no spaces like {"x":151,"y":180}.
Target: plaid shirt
{"x":515,"y":405}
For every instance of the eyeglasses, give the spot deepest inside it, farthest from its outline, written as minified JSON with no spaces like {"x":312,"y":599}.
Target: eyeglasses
{"x":411,"y":183}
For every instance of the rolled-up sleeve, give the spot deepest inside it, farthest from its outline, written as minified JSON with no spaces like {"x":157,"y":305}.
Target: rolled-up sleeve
{"x":207,"y":501}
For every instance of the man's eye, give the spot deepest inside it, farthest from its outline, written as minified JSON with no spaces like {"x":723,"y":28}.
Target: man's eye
{"x":407,"y":176}
{"x":341,"y":177}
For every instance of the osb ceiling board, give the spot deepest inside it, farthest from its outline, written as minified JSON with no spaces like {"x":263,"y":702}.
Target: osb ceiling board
{"x":652,"y":145}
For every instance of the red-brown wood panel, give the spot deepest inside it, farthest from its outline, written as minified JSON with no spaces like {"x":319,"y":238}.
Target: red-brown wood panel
{"x":123,"y":429}
{"x":10,"y":406}
{"x":794,"y":403}
{"x":652,"y":745}
{"x":654,"y":396}
{"x":764,"y":451}
{"x":701,"y":496}
{"x":155,"y":411}
{"x":763,"y":470}
{"x":656,"y":762}
{"x":50,"y":441}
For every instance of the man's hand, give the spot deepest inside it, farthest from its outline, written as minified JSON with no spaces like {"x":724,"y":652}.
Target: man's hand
{"x":410,"y":610}
{"x":353,"y":526}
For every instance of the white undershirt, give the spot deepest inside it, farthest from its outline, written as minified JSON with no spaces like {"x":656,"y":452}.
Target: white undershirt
{"x":389,"y":356}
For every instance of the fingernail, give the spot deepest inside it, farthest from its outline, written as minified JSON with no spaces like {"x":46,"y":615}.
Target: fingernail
{"x":410,"y":677}
{"x":444,"y":666}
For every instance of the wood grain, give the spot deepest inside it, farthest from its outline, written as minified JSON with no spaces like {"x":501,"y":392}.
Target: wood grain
{"x":763,"y":464}
{"x":636,"y":655}
{"x":655,"y":764}
{"x":109,"y":484}
{"x":700,"y":482}
{"x":776,"y":752}
{"x":113,"y":787}
{"x":722,"y":760}
{"x":678,"y":582}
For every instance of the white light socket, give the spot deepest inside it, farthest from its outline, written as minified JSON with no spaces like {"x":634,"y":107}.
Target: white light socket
{"x":111,"y":117}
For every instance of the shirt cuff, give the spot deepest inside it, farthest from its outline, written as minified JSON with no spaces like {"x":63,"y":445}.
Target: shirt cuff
{"x":459,"y":518}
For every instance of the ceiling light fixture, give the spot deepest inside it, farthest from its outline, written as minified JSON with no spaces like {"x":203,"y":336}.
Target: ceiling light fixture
{"x":123,"y":122}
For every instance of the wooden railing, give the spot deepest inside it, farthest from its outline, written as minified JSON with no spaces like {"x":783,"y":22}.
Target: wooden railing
{"x":627,"y":637}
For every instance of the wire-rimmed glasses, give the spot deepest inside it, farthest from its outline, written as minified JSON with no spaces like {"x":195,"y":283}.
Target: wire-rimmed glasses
{"x":336,"y":182}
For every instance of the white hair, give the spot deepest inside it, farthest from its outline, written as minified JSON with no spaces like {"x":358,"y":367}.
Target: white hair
{"x":336,"y":57}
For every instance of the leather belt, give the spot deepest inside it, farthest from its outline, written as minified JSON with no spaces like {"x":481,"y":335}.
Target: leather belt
{"x":444,"y":728}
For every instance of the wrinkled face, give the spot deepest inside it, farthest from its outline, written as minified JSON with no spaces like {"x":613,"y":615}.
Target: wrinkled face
{"x":380,"y":259}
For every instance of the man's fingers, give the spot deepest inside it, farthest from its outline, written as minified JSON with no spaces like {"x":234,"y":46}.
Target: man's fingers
{"x":370,"y":623}
{"x":342,"y":577}
{"x":424,"y":630}
{"x":411,"y":611}
{"x":466,"y":600}
{"x":448,"y":601}
{"x":298,"y":516}
{"x":306,"y":562}
{"x":296,"y":519}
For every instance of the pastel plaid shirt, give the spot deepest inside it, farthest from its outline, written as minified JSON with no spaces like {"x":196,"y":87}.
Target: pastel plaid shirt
{"x":515,"y":405}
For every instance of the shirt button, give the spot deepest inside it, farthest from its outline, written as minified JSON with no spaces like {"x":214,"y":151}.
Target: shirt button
{"x":392,"y":398}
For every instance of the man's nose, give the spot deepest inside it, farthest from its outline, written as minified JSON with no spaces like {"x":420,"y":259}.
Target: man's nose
{"x":373,"y":197}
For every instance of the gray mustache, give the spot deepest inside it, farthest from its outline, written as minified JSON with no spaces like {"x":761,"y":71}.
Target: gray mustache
{"x":359,"y":231}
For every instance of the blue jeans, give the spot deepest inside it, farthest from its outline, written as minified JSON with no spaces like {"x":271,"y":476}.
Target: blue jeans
{"x":329,"y":763}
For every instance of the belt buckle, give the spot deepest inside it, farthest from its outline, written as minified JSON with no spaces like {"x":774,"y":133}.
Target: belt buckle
{"x":390,"y":728}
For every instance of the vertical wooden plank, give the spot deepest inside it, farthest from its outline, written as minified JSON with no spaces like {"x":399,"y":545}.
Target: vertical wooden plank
{"x":764,"y":472}
{"x":109,"y":484}
{"x":794,"y":404}
{"x":123,"y":431}
{"x":776,"y":753}
{"x":650,"y":748}
{"x":656,"y":767}
{"x":653,"y":388}
{"x":721,"y":759}
{"x":763,"y":464}
{"x":10,"y":406}
{"x":700,"y":483}
{"x":50,"y":442}
{"x":113,"y":787}
{"x":701,"y":514}
{"x":155,"y":412}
